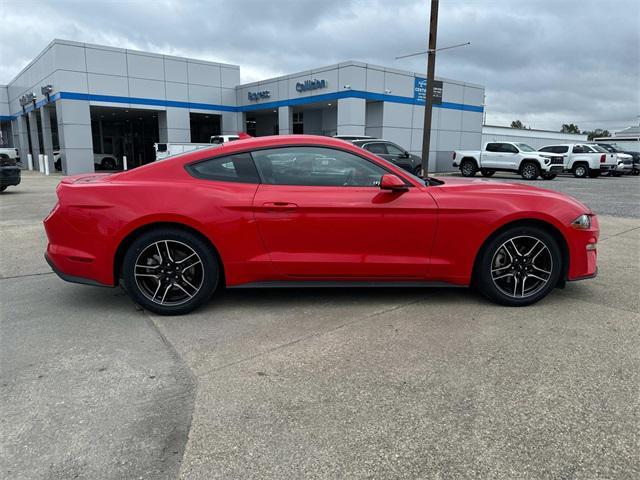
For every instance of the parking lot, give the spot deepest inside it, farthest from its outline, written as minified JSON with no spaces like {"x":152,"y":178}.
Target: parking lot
{"x":330,"y":383}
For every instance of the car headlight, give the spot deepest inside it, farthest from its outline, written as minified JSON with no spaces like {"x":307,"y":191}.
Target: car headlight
{"x":583,"y":222}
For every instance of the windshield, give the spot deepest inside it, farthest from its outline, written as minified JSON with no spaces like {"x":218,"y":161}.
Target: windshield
{"x":598,"y":148}
{"x":608,"y":148}
{"x":525,"y":148}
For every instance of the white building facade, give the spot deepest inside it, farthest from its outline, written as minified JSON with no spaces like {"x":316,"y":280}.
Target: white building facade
{"x":90,"y":101}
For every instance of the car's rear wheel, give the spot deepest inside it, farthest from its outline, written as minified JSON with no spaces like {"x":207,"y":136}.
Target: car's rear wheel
{"x":170,"y":271}
{"x":519,"y":266}
{"x":487,"y":173}
{"x":468,"y":168}
{"x":580,"y":170}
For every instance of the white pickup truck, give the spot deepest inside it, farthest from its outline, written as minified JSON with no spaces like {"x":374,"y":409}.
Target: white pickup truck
{"x":165,"y":150}
{"x":508,"y":157}
{"x":583,"y":160}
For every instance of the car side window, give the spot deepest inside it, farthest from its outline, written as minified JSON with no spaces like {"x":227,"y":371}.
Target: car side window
{"x":493,"y":147}
{"x":377,"y":148}
{"x":229,"y":168}
{"x":508,"y":148}
{"x":547,"y":149}
{"x":394,"y":149}
{"x":561,"y":149}
{"x":316,"y":166}
{"x":578,"y":149}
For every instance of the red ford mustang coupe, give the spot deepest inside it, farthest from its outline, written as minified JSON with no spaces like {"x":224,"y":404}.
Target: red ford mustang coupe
{"x":306,"y":210}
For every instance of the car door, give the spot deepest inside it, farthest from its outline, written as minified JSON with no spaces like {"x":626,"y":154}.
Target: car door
{"x":510,"y":157}
{"x":490,"y":157}
{"x":399,"y":156}
{"x":322,"y":215}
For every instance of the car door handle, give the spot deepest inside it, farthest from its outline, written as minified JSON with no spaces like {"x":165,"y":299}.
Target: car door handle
{"x":279,"y":207}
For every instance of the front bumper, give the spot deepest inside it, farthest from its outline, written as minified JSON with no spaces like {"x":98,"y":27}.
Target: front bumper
{"x":9,"y":176}
{"x":583,"y":253}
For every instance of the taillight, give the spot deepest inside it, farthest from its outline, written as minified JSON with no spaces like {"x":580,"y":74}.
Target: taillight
{"x":454,"y":155}
{"x":603,"y":158}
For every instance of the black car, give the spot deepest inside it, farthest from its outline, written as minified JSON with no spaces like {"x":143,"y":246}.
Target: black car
{"x":9,"y":172}
{"x":636,"y":162}
{"x":392,"y":152}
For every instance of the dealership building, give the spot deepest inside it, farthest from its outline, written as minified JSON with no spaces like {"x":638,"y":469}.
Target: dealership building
{"x":91,"y":101}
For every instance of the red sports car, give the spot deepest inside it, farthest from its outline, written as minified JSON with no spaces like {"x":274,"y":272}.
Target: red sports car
{"x":294,"y":210}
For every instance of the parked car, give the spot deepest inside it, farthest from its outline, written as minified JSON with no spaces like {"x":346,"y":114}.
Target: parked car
{"x":625,"y":161}
{"x":393,"y":153}
{"x":166,"y":150}
{"x":351,"y":138}
{"x":635,"y":162}
{"x":583,"y":160}
{"x":307,"y":210}
{"x":101,"y":161}
{"x":513,"y":157}
{"x":11,"y":152}
{"x":9,"y":172}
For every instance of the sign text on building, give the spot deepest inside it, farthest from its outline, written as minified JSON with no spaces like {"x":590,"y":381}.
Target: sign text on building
{"x":311,"y":85}
{"x":420,"y":91}
{"x":259,"y":95}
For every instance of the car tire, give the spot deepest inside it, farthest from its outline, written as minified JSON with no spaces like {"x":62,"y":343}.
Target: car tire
{"x":580,"y":170}
{"x":635,"y":172}
{"x":170,"y":271}
{"x":549,"y":176}
{"x":487,"y":173}
{"x":468,"y":168}
{"x":499,"y":268}
{"x":417,"y":170}
{"x":594,"y":173}
{"x":530,"y":171}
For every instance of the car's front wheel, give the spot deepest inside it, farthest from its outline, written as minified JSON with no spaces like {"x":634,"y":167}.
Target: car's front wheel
{"x":170,"y":271}
{"x":530,"y":171}
{"x":519,"y":266}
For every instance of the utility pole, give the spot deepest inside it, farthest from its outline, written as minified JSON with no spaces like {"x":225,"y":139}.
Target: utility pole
{"x":431,"y":68}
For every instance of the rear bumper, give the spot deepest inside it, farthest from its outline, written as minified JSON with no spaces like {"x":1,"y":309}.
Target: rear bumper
{"x":72,"y":278}
{"x":9,"y":176}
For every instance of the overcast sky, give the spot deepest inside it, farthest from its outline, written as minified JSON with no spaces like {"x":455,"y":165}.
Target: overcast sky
{"x":545,"y":62}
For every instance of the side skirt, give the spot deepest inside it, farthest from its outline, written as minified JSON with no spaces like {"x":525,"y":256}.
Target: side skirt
{"x":342,"y":283}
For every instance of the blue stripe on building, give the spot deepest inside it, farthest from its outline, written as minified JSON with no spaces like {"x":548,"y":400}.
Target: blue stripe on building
{"x":245,"y":108}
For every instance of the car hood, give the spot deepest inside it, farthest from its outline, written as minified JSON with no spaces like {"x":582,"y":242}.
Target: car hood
{"x":491,"y":187}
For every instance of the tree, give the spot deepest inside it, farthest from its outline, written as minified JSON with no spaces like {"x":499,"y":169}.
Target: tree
{"x":569,"y":128}
{"x":517,"y":124}
{"x":598,"y":132}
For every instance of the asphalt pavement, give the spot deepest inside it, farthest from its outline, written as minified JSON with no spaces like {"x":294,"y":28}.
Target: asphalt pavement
{"x":321,"y":383}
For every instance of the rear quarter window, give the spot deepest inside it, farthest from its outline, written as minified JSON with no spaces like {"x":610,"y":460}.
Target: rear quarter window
{"x":229,"y":168}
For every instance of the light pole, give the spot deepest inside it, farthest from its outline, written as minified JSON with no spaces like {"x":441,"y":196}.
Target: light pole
{"x":428,"y":105}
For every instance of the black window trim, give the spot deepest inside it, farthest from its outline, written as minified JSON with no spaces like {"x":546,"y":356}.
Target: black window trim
{"x":261,"y":179}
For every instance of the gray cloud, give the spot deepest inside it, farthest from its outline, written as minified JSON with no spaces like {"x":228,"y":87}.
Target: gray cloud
{"x":545,"y":62}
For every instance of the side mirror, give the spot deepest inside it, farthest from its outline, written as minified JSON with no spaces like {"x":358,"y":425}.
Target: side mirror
{"x":392,"y":183}
{"x":406,"y":155}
